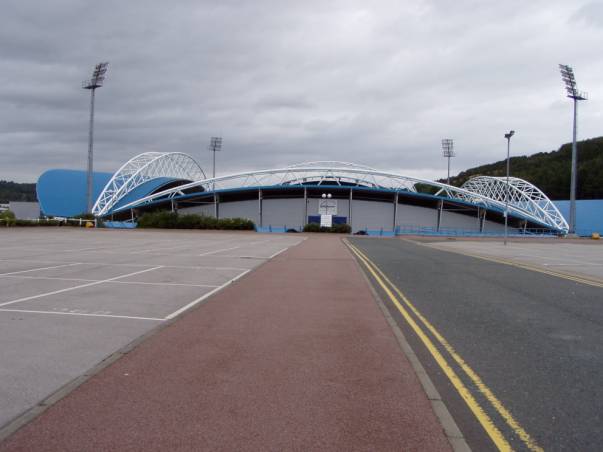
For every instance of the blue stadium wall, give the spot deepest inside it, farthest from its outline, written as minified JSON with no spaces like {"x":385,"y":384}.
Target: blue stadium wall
{"x":589,"y":215}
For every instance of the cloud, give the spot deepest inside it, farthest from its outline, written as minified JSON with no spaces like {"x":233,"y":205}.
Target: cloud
{"x":378,"y":84}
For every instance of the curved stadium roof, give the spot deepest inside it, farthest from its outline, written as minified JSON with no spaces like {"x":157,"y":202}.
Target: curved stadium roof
{"x":153,"y":177}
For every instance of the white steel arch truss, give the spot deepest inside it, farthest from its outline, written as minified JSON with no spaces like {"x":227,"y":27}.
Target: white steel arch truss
{"x":522,"y":195}
{"x":143,"y":168}
{"x":532,"y":204}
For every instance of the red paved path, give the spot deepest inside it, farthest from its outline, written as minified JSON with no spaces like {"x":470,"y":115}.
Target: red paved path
{"x":295,"y":356}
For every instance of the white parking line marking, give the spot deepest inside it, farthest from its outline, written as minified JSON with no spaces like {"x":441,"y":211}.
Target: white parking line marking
{"x":278,"y":252}
{"x":41,"y":268}
{"x":219,"y":251}
{"x":49,"y":278}
{"x":111,"y":264}
{"x":203,"y":297}
{"x":83,"y":314}
{"x":33,"y":297}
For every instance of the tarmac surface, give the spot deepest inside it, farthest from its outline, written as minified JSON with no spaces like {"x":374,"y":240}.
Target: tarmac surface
{"x":532,"y":338}
{"x":71,"y":297}
{"x":293,"y":356}
{"x":582,"y":257}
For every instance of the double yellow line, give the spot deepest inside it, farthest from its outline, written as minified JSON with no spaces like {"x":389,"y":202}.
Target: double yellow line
{"x":405,"y":307}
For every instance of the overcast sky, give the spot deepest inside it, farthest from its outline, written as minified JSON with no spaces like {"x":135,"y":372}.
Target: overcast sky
{"x":378,"y":83}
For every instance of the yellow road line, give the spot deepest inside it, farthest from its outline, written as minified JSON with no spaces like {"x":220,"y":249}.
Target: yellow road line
{"x":488,"y":394}
{"x":525,"y":266}
{"x":483,"y":418}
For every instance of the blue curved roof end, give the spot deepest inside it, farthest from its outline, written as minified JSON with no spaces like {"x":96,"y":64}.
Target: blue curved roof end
{"x":62,"y":193}
{"x":143,"y":190}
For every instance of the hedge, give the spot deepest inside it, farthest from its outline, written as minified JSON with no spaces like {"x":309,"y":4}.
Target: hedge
{"x":171,"y":220}
{"x":337,"y":228}
{"x":7,"y":218}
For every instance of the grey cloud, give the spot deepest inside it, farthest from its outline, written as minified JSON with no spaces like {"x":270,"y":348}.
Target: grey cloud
{"x":282,"y":82}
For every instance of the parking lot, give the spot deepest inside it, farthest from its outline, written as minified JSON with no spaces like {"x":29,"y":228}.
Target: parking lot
{"x":581,"y":257}
{"x":71,"y":297}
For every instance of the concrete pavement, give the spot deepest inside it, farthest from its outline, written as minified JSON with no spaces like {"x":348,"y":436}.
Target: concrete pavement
{"x":294,"y":356}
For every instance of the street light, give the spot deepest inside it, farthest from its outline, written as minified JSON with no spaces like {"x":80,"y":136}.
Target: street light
{"x":508,"y":137}
{"x":448,"y":152}
{"x":98,"y":77}
{"x":567,"y":75}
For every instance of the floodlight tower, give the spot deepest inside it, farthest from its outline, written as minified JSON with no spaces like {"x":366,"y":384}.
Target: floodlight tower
{"x":567,"y":74}
{"x":98,"y":77}
{"x":448,"y":152}
{"x":215,"y":144}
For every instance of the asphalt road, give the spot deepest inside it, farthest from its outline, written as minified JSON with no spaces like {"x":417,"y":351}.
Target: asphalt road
{"x":535,"y":340}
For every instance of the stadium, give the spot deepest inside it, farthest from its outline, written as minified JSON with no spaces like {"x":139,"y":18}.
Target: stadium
{"x":285,"y":199}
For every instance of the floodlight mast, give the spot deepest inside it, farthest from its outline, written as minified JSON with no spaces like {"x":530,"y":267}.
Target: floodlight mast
{"x":448,"y":152}
{"x":567,"y":75}
{"x":215,"y":144}
{"x":98,"y":77}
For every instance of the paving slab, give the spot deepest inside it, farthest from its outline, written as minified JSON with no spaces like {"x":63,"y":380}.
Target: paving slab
{"x":294,"y":356}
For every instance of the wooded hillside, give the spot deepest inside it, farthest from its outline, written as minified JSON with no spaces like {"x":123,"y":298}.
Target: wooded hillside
{"x":550,"y":171}
{"x":14,"y":191}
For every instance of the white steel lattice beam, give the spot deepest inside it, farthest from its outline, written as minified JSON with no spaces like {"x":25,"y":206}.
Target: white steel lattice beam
{"x":522,"y":196}
{"x":143,"y":168}
{"x":527,"y":201}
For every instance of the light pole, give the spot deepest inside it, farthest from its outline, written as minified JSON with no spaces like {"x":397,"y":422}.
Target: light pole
{"x":508,"y":137}
{"x":567,"y":74}
{"x":448,"y":152}
{"x":215,"y":144}
{"x":98,"y":77}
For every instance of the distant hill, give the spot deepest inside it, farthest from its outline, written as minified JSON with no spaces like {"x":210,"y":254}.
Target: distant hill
{"x":14,"y":191}
{"x":550,"y":171}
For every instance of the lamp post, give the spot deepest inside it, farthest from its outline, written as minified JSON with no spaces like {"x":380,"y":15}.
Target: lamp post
{"x":98,"y":77}
{"x":508,"y":137}
{"x":567,"y":75}
{"x":448,"y":152}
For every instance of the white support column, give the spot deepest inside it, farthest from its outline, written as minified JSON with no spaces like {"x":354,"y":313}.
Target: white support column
{"x":305,"y":206}
{"x":260,"y":212}
{"x":395,"y":211}
{"x":350,"y":208}
{"x":440,"y":211}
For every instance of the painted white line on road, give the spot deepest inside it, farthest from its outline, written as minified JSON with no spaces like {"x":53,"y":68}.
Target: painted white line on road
{"x":111,"y":264}
{"x":50,"y":278}
{"x":203,"y":297}
{"x":219,"y":251}
{"x":33,"y":297}
{"x":278,"y":252}
{"x":41,"y":268}
{"x":81,"y":314}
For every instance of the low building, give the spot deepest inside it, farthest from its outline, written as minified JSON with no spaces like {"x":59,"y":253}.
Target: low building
{"x":25,"y":210}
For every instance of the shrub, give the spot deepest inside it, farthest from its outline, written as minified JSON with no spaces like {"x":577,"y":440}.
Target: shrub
{"x":312,"y":227}
{"x":171,"y":220}
{"x":336,"y":228}
{"x":8,"y":218}
{"x":189,"y":222}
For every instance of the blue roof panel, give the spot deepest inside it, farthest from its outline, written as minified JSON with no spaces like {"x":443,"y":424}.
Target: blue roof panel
{"x":143,"y":190}
{"x":62,"y":193}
